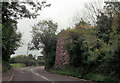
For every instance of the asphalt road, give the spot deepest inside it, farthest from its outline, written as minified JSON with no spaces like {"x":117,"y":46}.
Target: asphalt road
{"x":38,"y":74}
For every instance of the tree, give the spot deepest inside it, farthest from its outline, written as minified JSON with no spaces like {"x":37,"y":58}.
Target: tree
{"x":44,"y":36}
{"x":27,"y":60}
{"x":90,"y":12}
{"x":11,"y":41}
{"x":104,"y":25}
{"x":109,"y":32}
{"x":105,"y":21}
{"x":11,"y":12}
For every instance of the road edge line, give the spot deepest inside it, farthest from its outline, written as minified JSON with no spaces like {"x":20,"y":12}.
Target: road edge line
{"x":11,"y":77}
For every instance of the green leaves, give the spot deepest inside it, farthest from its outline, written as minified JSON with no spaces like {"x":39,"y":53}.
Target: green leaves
{"x":11,"y":12}
{"x":44,"y":33}
{"x":44,"y":36}
{"x":17,"y":10}
{"x":26,"y":60}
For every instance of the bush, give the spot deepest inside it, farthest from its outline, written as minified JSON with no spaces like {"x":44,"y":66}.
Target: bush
{"x":5,"y":66}
{"x":41,"y":62}
{"x":27,"y":60}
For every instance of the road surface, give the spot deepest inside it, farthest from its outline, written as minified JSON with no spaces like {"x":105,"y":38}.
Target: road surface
{"x":38,"y":74}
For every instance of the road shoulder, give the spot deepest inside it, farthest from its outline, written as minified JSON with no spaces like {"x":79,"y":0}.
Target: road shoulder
{"x":8,"y":75}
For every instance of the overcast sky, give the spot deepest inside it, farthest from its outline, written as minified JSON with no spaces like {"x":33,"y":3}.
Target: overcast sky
{"x":60,"y":11}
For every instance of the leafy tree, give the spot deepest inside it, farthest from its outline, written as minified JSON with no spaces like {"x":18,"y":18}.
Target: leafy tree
{"x":44,"y":36}
{"x":31,"y":56}
{"x":10,"y":39}
{"x":105,"y":21}
{"x":96,"y":49}
{"x":41,"y":60}
{"x":104,"y":24}
{"x":109,"y":32}
{"x":11,"y":12}
{"x":77,"y":44}
{"x":27,"y":60}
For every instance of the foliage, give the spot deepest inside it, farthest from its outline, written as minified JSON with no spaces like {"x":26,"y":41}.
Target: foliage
{"x":41,"y":62}
{"x":68,"y":71}
{"x":104,"y":24}
{"x":94,"y":51}
{"x":17,"y":65}
{"x":10,"y":39}
{"x":95,"y":77}
{"x":11,"y":12}
{"x":44,"y":36}
{"x":77,"y":49}
{"x":23,"y":59}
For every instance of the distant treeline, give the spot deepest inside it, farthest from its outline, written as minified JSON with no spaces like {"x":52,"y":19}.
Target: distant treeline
{"x":28,"y":60}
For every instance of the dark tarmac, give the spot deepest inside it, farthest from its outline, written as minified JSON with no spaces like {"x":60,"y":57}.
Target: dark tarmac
{"x":39,"y":75}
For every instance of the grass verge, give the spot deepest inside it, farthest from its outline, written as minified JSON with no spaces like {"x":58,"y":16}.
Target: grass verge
{"x":67,"y":73}
{"x":95,"y":77}
{"x":17,"y":65}
{"x":90,"y":76}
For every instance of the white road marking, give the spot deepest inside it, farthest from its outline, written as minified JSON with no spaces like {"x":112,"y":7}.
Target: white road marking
{"x":40,"y":75}
{"x":44,"y":78}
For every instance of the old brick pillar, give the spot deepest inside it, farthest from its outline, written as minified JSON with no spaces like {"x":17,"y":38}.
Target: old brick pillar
{"x":62,"y":57}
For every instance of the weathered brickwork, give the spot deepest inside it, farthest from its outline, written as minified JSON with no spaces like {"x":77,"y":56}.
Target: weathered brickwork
{"x":62,"y":57}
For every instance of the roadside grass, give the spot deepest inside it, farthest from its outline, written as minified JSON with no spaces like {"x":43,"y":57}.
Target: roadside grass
{"x":95,"y":77}
{"x":17,"y":65}
{"x":67,"y":73}
{"x":90,"y":76}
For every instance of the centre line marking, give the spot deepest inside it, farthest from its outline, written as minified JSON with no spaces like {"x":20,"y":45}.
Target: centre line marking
{"x":40,"y":75}
{"x":44,"y":78}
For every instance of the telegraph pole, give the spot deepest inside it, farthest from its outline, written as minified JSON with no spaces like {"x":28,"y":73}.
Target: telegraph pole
{"x":28,"y":46}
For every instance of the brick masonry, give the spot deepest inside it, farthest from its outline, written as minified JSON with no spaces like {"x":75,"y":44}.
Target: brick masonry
{"x":62,"y":57}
